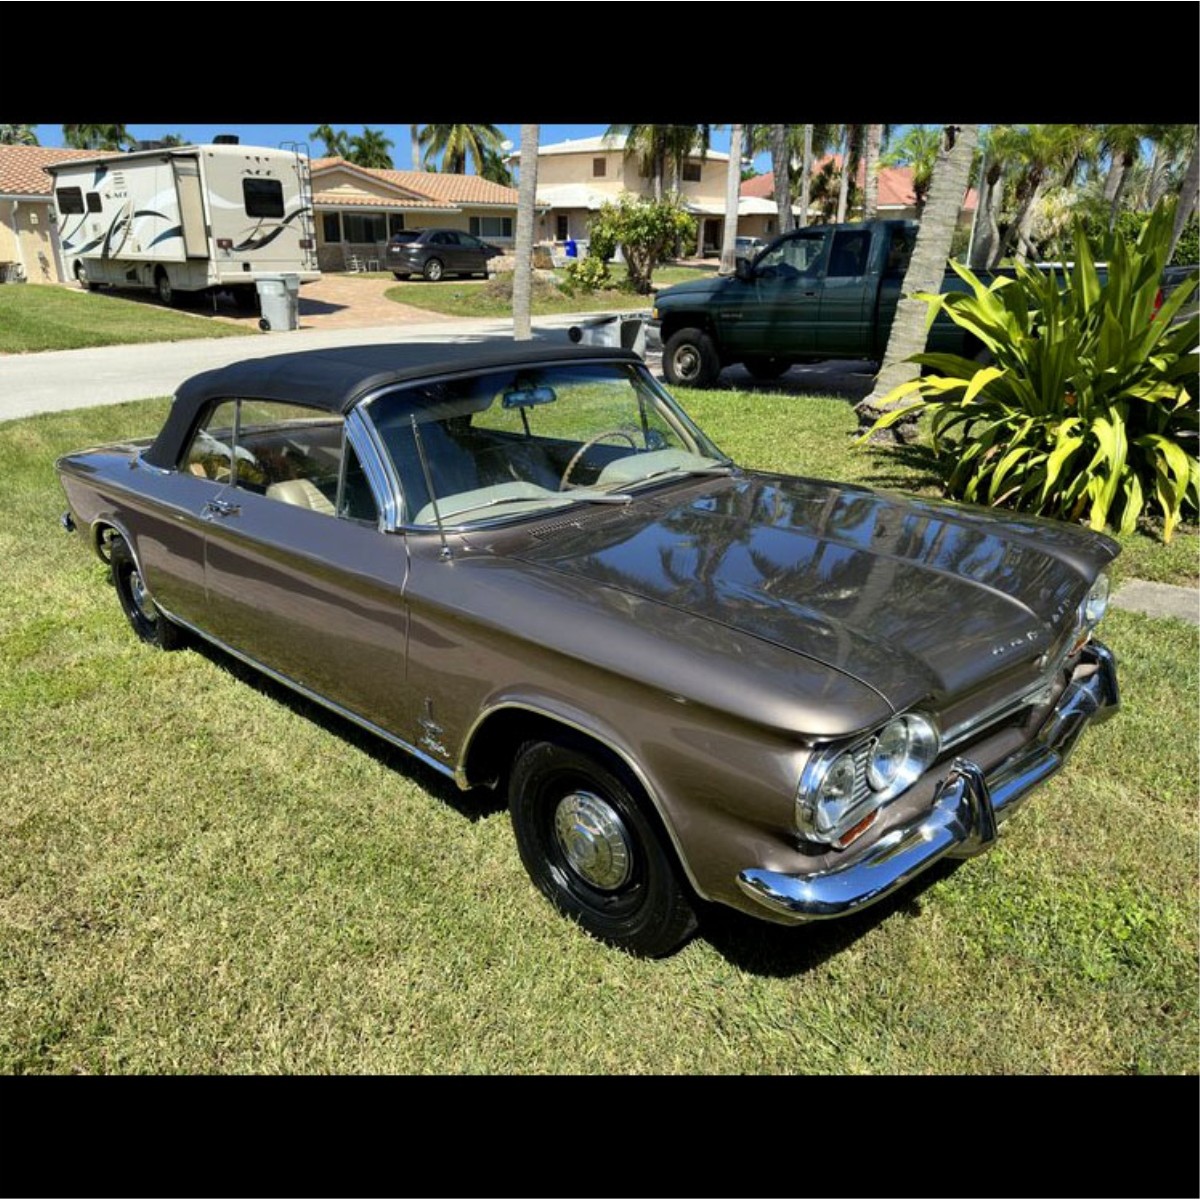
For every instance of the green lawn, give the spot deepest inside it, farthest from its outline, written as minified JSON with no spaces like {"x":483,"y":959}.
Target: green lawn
{"x":200,"y":874}
{"x":42,"y":317}
{"x":493,"y":298}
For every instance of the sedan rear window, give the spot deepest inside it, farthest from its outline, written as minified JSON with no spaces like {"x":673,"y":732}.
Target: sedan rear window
{"x":406,"y":235}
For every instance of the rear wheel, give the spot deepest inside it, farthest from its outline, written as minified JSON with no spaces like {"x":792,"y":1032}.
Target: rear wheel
{"x":586,"y":839}
{"x":140,"y":610}
{"x":434,"y":270}
{"x":163,"y":288}
{"x":690,"y":359}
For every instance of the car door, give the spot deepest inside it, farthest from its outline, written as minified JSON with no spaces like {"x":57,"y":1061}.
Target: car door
{"x":299,"y":577}
{"x":448,"y":250}
{"x":778,"y":309}
{"x":844,"y":323}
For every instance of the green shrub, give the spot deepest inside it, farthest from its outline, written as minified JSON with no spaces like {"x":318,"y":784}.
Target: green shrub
{"x":1089,"y":408}
{"x":1187,"y":249}
{"x":646,"y":230}
{"x":587,"y":274}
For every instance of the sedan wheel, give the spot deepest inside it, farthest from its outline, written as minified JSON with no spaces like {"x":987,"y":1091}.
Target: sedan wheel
{"x":588,"y":844}
{"x":139,"y":608}
{"x":434,"y":270}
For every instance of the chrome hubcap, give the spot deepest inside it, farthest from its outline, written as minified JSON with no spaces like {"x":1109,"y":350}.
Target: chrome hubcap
{"x":686,"y":362}
{"x":141,"y":597}
{"x":592,"y":838}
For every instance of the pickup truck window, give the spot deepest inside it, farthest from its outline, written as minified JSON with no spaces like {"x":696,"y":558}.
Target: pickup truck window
{"x":800,"y":255}
{"x":849,"y":255}
{"x":900,"y":250}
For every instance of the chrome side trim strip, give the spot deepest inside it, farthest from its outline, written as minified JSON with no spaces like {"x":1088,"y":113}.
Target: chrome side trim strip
{"x":460,"y":773}
{"x":962,"y":820}
{"x":316,"y":697}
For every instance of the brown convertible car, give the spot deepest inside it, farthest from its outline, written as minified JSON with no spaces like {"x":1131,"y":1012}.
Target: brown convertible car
{"x":529,"y":568}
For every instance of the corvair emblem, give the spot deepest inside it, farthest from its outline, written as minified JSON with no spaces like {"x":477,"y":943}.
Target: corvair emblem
{"x":1017,"y":643}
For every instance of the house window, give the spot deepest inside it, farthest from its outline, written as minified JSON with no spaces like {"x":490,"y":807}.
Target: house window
{"x":364,"y":227}
{"x":395,"y":223}
{"x":69,"y":200}
{"x":562,"y":227}
{"x":94,"y":203}
{"x":599,"y":168}
{"x":331,"y":227}
{"x":497,"y":227}
{"x":691,"y":172}
{"x":263,"y":197}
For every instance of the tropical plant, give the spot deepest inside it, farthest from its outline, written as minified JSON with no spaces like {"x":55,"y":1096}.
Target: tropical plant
{"x":646,"y":230}
{"x":97,"y":137}
{"x":18,"y":135}
{"x":1089,"y":407}
{"x":336,"y":141}
{"x":657,"y":147}
{"x":370,"y":149}
{"x":916,"y":149}
{"x":453,"y":145}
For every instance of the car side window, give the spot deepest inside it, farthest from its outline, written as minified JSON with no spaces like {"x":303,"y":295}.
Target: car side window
{"x":900,"y":249}
{"x":794,"y":257}
{"x":286,"y":453}
{"x":848,"y":257}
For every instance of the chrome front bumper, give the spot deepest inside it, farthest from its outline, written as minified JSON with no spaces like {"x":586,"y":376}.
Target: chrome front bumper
{"x":962,"y":819}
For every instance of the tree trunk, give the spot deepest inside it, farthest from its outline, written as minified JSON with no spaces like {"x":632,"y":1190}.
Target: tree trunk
{"x":1156,"y":185}
{"x":780,"y":159}
{"x":1023,"y":225}
{"x":844,"y":181}
{"x":926,"y":270}
{"x":414,"y":132}
{"x":1114,"y":186}
{"x":1187,"y":197}
{"x":733,"y":182}
{"x":806,"y":177}
{"x":523,"y":271}
{"x":871,"y":185}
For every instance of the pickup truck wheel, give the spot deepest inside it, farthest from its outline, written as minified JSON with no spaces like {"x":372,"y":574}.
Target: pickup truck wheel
{"x":589,"y":847}
{"x":766,"y":368}
{"x":140,"y":610}
{"x":690,"y":359}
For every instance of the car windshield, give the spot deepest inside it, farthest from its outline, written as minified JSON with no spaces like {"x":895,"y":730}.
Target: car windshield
{"x":519,"y":442}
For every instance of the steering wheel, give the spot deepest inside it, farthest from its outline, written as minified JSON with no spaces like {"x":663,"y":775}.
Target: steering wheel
{"x":563,"y":484}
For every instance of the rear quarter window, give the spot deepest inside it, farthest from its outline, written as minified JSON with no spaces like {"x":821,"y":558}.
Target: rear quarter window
{"x":263,"y":197}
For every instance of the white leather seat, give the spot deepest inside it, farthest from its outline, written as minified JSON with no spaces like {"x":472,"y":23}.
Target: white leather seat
{"x":303,"y":493}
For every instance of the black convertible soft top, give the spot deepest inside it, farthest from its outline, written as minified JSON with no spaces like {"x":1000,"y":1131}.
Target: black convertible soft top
{"x":337,"y":378}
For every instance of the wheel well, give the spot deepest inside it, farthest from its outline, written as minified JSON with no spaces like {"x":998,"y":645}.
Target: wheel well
{"x":673,"y":323}
{"x":103,"y":533}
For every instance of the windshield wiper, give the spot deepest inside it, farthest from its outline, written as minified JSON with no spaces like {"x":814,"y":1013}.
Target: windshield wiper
{"x":715,"y":469}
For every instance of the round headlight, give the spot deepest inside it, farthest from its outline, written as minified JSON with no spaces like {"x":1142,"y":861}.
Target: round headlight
{"x":899,"y":754}
{"x":835,"y":794}
{"x":1096,"y":603}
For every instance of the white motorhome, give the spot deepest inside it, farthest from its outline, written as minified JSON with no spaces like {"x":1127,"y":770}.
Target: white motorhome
{"x":188,"y":219}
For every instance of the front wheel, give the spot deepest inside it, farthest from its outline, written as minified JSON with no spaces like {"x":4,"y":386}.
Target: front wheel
{"x":163,"y":288}
{"x":690,"y":359}
{"x":589,"y":846}
{"x":140,"y":610}
{"x":434,"y":270}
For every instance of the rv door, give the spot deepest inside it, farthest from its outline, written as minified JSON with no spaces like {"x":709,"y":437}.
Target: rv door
{"x":191,"y":206}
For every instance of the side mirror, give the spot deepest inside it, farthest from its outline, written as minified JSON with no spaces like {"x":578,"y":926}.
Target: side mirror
{"x":743,"y":269}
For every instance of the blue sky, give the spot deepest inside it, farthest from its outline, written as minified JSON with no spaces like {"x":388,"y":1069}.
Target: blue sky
{"x":272,"y":135}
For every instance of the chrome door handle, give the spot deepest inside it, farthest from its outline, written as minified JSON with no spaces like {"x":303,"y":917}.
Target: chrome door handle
{"x":221,"y":508}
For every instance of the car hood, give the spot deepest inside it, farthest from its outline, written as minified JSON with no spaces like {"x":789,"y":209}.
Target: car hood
{"x":911,"y":597}
{"x":693,"y":289}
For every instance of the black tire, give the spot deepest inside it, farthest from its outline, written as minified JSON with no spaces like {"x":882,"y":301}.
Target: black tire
{"x":400,"y":274}
{"x":164,"y":290}
{"x":766,"y":368}
{"x":690,"y":359}
{"x":245,"y":299}
{"x":589,"y":846}
{"x":82,"y":279}
{"x":433,"y":270}
{"x":147,"y":622}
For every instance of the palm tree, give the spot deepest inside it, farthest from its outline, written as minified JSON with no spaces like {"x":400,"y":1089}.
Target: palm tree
{"x":496,"y":168}
{"x":526,"y":204}
{"x":733,"y":180}
{"x":926,"y":269}
{"x":657,"y":146}
{"x":851,"y":147}
{"x":1187,"y":196}
{"x":917,"y":150}
{"x":18,"y":135}
{"x":97,"y":137}
{"x":781,"y":158}
{"x":1123,"y":146}
{"x":370,"y":149}
{"x":414,"y":133}
{"x":337,"y":141}
{"x":454,"y":144}
{"x":874,"y":143}
{"x":806,"y":175}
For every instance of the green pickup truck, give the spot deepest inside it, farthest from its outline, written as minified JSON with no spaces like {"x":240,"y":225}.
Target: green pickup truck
{"x":827,"y":291}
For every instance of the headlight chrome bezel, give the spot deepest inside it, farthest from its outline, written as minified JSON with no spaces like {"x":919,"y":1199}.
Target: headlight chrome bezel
{"x":822,"y":816}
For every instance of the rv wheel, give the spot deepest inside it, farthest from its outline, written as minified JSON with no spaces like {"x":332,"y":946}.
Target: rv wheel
{"x":162,"y":285}
{"x":264,"y":324}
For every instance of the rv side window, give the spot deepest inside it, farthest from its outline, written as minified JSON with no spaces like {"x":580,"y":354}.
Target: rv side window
{"x":70,"y":200}
{"x":263,"y":197}
{"x":93,"y":202}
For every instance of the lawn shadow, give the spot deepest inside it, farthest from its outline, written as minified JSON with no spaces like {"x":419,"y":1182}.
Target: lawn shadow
{"x":781,"y":951}
{"x":848,"y":380}
{"x":906,"y":468}
{"x":475,"y":805}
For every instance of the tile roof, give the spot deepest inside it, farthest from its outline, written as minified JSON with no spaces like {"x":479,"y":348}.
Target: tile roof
{"x":340,"y":198}
{"x":21,"y":168}
{"x":432,"y":185}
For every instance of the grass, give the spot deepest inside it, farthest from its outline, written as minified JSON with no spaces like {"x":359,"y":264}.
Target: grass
{"x":201,"y":874}
{"x":493,"y":298}
{"x":42,"y":317}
